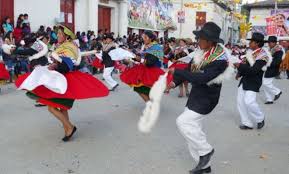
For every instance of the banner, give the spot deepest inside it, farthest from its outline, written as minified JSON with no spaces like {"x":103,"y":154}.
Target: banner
{"x":181,"y":16}
{"x":278,"y":23}
{"x":151,"y":14}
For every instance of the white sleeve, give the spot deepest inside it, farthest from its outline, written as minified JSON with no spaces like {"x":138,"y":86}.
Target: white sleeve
{"x":56,"y":57}
{"x":6,"y":49}
{"x":41,"y":53}
{"x":78,"y":61}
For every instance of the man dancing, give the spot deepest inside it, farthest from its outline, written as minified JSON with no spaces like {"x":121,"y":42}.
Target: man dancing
{"x":208,"y":70}
{"x":272,"y":93}
{"x":251,"y":71}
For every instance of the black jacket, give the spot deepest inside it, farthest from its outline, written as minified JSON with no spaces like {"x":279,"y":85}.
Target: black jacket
{"x":106,"y":59}
{"x":30,"y":52}
{"x":203,"y":98}
{"x":273,"y":70}
{"x":252,"y":76}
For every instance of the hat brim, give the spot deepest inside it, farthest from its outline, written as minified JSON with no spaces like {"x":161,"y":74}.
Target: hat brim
{"x":263,"y":41}
{"x":272,"y":41}
{"x":201,"y":34}
{"x":68,"y":32}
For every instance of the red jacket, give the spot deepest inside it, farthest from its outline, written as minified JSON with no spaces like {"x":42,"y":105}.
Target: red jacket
{"x":17,"y":33}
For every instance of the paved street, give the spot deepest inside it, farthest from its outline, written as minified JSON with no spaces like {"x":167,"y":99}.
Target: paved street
{"x":107,"y":141}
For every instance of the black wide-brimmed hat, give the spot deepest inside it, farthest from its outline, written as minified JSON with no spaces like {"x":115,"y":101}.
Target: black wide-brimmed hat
{"x":108,"y":36}
{"x":257,"y":37}
{"x":273,"y":39}
{"x":30,"y":38}
{"x":210,"y":32}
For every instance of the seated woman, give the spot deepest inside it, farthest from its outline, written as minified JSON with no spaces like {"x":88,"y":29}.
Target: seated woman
{"x":79,"y":85}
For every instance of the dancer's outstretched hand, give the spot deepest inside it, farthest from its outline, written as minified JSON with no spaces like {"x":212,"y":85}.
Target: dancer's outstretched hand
{"x":171,"y":71}
{"x":52,"y":66}
{"x":236,"y":65}
{"x":170,"y":86}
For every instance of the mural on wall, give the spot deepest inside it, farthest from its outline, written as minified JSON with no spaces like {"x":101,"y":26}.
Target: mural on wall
{"x":259,"y":29}
{"x":151,"y":14}
{"x":278,"y":23}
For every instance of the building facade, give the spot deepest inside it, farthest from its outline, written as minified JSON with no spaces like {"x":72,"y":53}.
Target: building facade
{"x":198,"y":12}
{"x":261,"y":15}
{"x":83,"y":15}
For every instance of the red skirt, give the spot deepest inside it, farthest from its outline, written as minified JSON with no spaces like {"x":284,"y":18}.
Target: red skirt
{"x":97,"y":63}
{"x":79,"y":86}
{"x":166,"y":60}
{"x":4,"y":74}
{"x":141,"y":75}
{"x":176,"y":66}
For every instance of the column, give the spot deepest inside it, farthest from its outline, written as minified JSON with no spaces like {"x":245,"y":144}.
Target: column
{"x":123,"y":18}
{"x":92,"y":15}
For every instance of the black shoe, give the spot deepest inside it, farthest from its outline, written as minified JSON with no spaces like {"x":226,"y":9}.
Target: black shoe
{"x":204,"y":161}
{"x":261,"y":125}
{"x":39,"y":105}
{"x":243,"y":127}
{"x":201,"y":171}
{"x":269,"y":103}
{"x":67,"y":138}
{"x":277,"y":96}
{"x":112,"y":89}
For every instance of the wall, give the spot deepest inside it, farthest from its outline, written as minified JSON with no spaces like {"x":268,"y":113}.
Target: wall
{"x":81,"y":10}
{"x":114,"y":15}
{"x":214,"y":13}
{"x":41,"y":12}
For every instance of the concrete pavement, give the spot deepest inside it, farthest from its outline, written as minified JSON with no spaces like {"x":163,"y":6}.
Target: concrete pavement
{"x":107,"y":141}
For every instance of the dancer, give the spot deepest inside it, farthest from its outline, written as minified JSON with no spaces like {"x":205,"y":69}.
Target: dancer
{"x":4,"y":74}
{"x":178,"y":64}
{"x":284,"y":67}
{"x":36,"y":49}
{"x":209,"y":69}
{"x":63,"y":84}
{"x":251,"y":73}
{"x":272,"y":92}
{"x":108,"y":62}
{"x":142,"y":76}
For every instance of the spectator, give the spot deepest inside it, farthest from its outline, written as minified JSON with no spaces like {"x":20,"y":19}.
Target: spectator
{"x":18,"y":34}
{"x":26,"y":20}
{"x":106,"y":32}
{"x":100,"y":33}
{"x":124,"y":40}
{"x":20,"y":20}
{"x":7,"y":26}
{"x":25,"y":29}
{"x":52,"y":36}
{"x":8,"y":48}
{"x":92,"y":36}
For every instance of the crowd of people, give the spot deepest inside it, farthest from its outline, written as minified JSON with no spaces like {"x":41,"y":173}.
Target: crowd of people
{"x":60,"y":54}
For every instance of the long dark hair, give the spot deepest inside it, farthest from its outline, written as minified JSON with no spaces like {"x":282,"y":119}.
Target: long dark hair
{"x":151,"y":35}
{"x":7,"y":35}
{"x":5,"y":19}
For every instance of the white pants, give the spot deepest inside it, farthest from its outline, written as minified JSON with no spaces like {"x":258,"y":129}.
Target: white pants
{"x":269,"y":89}
{"x":107,"y":77}
{"x":248,"y":107}
{"x":190,"y":126}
